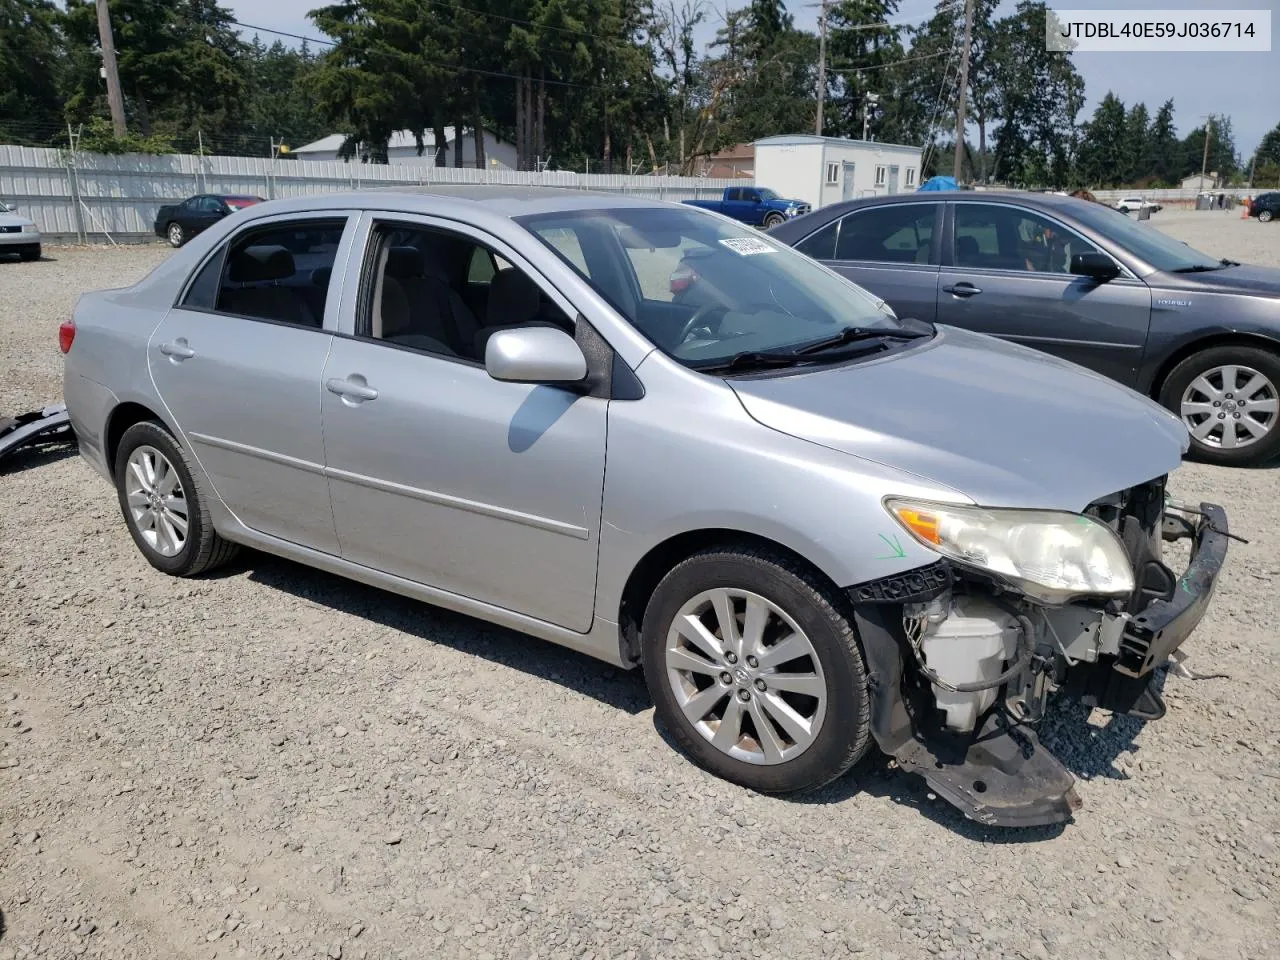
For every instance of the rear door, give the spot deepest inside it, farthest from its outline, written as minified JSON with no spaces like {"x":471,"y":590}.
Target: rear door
{"x":890,"y":249}
{"x":238,"y":364}
{"x":1006,"y":272}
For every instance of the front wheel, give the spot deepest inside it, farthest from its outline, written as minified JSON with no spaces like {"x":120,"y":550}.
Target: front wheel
{"x":1229,"y":399}
{"x":177,"y":236}
{"x":755,"y":670}
{"x":772,"y":220}
{"x":1264,"y":216}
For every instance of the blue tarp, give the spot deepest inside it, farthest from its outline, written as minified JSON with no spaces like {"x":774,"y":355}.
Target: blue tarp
{"x":939,"y":183}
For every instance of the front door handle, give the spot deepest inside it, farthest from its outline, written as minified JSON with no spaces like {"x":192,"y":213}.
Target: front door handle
{"x":962,"y":289}
{"x":353,"y":389}
{"x":178,"y":350}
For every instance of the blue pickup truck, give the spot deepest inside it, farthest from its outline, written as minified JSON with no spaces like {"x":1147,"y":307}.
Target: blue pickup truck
{"x":757,"y":206}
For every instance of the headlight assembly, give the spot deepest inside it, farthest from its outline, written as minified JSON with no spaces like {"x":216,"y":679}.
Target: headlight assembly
{"x":1053,"y":556}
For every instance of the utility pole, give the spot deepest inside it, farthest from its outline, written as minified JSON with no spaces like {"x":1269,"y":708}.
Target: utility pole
{"x":114,"y":97}
{"x":1252,"y":167}
{"x":1204,"y":162}
{"x":822,"y":63}
{"x":964,"y":87}
{"x":869,"y":101}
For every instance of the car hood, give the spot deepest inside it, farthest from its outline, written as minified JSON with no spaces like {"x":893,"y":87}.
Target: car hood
{"x":15,"y":220}
{"x":1246,"y":278}
{"x":1000,"y":423}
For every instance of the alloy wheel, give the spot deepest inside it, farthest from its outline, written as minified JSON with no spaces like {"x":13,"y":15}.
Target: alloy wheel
{"x":175,"y":235}
{"x":157,"y":503}
{"x":1230,"y":406}
{"x":746,"y":676}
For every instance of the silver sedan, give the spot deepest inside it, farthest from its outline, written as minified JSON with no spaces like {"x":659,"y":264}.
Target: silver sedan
{"x":815,"y":526}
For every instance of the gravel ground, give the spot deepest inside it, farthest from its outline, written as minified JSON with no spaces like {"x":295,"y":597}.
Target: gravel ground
{"x":273,"y":763}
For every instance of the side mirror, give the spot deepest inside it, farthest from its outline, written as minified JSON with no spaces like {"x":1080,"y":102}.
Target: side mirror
{"x":1095,"y":266}
{"x":534,"y":355}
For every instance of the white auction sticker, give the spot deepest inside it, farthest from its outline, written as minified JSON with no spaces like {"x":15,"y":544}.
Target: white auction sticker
{"x":746,"y":246}
{"x":1137,"y":31}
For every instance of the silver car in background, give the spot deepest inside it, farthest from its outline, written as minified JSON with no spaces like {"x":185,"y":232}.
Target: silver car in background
{"x":813,"y":525}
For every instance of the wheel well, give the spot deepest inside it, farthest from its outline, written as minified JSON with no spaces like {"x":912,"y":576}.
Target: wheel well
{"x":660,"y":560}
{"x":1219,"y":340}
{"x":122,"y":418}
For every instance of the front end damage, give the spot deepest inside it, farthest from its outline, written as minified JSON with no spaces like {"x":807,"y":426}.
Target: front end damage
{"x":962,"y":664}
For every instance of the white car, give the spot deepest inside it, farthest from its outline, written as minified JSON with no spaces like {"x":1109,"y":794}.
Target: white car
{"x":1132,"y":204}
{"x":18,"y":234}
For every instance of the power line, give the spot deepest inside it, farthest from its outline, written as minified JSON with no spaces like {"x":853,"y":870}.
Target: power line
{"x":886,"y":66}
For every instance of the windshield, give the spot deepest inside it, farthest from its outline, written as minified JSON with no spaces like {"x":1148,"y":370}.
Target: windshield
{"x":1143,"y":240}
{"x":705,"y":290}
{"x":767,"y":194}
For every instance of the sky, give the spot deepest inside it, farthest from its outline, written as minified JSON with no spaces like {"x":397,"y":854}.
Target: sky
{"x":1240,"y":85}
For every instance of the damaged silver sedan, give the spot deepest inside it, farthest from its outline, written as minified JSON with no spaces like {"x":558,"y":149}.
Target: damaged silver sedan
{"x":817,"y":527}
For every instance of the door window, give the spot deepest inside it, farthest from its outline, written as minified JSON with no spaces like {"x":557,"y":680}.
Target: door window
{"x":899,"y":233}
{"x":446,"y":294}
{"x":821,"y":245}
{"x":279,"y":273}
{"x":210,"y":205}
{"x":993,"y":237}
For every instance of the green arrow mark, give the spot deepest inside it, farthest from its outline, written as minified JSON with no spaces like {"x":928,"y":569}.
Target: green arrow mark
{"x":893,"y":544}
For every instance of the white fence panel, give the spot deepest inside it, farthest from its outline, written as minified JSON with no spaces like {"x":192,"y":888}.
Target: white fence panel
{"x":91,"y":195}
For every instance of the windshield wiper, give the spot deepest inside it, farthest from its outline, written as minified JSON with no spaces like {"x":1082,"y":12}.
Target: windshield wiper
{"x":751,"y":360}
{"x":1199,"y":268}
{"x":853,"y":335}
{"x":1229,"y":263}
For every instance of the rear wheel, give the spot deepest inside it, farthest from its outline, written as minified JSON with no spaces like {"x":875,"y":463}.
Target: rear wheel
{"x":1264,"y":216}
{"x":755,"y":671}
{"x":1229,"y":399}
{"x":165,"y":509}
{"x":177,"y":236}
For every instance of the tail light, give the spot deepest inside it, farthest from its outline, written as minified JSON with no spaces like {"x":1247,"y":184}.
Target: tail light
{"x":66,"y":335}
{"x":682,"y":278}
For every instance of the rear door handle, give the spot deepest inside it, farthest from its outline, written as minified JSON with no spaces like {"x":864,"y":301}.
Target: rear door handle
{"x":354,"y":388}
{"x":962,"y":289}
{"x":178,"y":350}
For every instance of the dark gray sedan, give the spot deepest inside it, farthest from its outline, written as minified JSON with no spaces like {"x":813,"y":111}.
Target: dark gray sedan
{"x":1082,"y":281}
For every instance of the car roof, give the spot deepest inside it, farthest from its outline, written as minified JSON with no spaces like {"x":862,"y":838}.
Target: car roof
{"x":504,"y":200}
{"x":1027,"y":197}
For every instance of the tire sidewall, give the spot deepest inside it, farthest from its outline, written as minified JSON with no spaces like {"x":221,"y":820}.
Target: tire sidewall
{"x":152,"y":434}
{"x":1185,"y":372}
{"x":181,"y":235}
{"x":843,"y":668}
{"x":772,"y":220}
{"x":1265,"y":216}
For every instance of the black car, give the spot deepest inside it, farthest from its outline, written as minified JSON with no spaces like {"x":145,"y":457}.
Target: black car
{"x":1265,"y":206}
{"x":1080,"y":280}
{"x":179,"y":222}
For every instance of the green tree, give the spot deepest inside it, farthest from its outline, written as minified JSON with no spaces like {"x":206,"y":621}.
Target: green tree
{"x":1138,"y":163}
{"x":862,"y":45}
{"x":1103,"y":159}
{"x":31,"y":65}
{"x":1222,"y":158}
{"x":1269,"y":148}
{"x":1163,"y":147}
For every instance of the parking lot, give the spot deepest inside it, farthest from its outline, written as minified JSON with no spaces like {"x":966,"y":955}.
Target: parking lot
{"x":272,"y":762}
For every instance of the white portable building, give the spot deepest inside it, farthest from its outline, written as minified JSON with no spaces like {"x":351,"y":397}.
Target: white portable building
{"x":824,"y":170}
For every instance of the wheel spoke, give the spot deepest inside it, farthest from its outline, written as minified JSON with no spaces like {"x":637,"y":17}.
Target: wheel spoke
{"x":165,"y":540}
{"x":702,"y":703}
{"x":1204,"y":428}
{"x":1230,"y":375}
{"x":1202,"y":386}
{"x":766,"y":735}
{"x":176,"y":505}
{"x":1191,"y":407}
{"x":684,"y":660}
{"x":753,"y":624}
{"x":139,"y":500}
{"x":1270,"y":405}
{"x":1255,"y":427}
{"x":728,"y":620}
{"x":796,"y":727}
{"x":1229,"y":435}
{"x":692,"y":629}
{"x":168,"y":482}
{"x":140,"y":474}
{"x":177,"y":522}
{"x":809,"y":684}
{"x":790,"y":648}
{"x":730,"y":729}
{"x":1255,"y":383}
{"x":147,"y":521}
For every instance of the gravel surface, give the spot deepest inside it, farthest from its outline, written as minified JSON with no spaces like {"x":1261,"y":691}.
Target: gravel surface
{"x":275,"y":763}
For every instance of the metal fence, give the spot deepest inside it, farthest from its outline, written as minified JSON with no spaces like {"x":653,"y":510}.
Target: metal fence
{"x":88,"y":196}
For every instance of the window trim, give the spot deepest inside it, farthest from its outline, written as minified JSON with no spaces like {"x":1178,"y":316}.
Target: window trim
{"x":882,"y":175}
{"x":373,"y":219}
{"x":833,"y":167}
{"x":949,"y":248}
{"x":332,"y":295}
{"x":910,"y":178}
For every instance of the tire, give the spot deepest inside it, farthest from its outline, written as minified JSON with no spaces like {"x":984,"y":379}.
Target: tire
{"x":175,"y":234}
{"x":1264,"y":216}
{"x":772,"y":220}
{"x":1196,"y":384}
{"x":200,"y":549}
{"x":830,"y":663}
{"x":31,"y":255}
